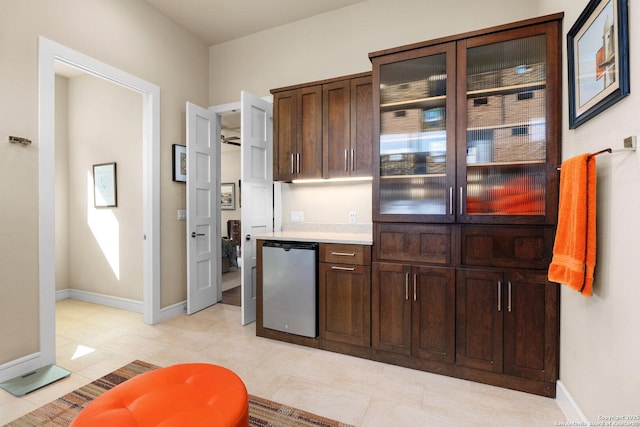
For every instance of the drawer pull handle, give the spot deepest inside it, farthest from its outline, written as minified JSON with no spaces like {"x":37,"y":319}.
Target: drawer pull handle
{"x":499,"y":295}
{"x":333,"y":267}
{"x":343,"y":254}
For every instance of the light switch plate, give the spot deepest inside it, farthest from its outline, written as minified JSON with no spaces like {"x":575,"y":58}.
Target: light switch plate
{"x":630,"y":142}
{"x":182,"y":214}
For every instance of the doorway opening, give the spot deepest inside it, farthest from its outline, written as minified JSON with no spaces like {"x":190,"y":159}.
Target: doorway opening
{"x":49,"y":53}
{"x":230,"y":213}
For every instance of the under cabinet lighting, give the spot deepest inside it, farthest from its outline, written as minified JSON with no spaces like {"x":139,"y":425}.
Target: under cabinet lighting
{"x":330,"y":180}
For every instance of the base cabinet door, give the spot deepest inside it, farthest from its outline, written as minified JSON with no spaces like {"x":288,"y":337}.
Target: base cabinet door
{"x":414,"y":310}
{"x":531,"y":325}
{"x":433,"y":314}
{"x":391,"y":308}
{"x":507,"y":322}
{"x":345,"y":303}
{"x":479,"y":320}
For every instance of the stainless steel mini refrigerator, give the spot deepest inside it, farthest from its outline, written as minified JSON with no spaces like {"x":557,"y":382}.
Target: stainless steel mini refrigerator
{"x":289,"y":287}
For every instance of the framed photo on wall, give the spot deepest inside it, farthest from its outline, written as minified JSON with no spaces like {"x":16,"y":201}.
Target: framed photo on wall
{"x":104,"y":185}
{"x":228,"y":196}
{"x":179,"y":157}
{"x":598,"y":55}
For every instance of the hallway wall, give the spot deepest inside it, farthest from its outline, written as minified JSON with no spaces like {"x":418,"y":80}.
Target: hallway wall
{"x":104,"y":123}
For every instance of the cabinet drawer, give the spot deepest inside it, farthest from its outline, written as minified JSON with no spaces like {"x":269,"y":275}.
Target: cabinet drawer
{"x":414,"y":243}
{"x":516,"y":247}
{"x":345,"y":254}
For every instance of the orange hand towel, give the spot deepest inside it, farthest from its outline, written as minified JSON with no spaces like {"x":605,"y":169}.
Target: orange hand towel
{"x":574,"y":250}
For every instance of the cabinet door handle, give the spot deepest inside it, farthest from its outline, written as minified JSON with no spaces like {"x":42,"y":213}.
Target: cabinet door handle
{"x":460,"y":201}
{"x":333,"y":267}
{"x":298,"y":162}
{"x":346,"y":160}
{"x":343,"y":253}
{"x":293,"y":170}
{"x":509,"y":296}
{"x":415,"y":287}
{"x":406,"y":286}
{"x":499,"y":295}
{"x":353,"y":159}
{"x":450,"y":200}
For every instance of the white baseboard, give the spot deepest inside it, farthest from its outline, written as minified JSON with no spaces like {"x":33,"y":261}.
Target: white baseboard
{"x":109,"y":301}
{"x":172,"y":311}
{"x":166,"y":313}
{"x":21,"y":366}
{"x":568,"y":405}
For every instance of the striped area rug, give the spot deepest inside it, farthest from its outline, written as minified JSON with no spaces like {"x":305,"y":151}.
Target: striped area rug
{"x":262,"y":412}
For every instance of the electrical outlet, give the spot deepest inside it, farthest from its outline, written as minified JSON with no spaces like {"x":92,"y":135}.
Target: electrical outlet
{"x":296,"y":216}
{"x":352,"y":217}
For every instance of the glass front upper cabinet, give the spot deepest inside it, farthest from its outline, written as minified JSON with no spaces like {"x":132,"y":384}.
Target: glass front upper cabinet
{"x":416,"y":135}
{"x":506,"y":132}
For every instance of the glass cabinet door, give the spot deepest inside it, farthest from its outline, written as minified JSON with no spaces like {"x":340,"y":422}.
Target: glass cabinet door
{"x":416,"y":166}
{"x":506,"y":132}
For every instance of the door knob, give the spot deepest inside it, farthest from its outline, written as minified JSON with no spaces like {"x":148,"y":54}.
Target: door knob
{"x":247,"y":237}
{"x":194,"y":234}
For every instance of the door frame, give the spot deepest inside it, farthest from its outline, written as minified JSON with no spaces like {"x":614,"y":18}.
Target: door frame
{"x":48,"y":53}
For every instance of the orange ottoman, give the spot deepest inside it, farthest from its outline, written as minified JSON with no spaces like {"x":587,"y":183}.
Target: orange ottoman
{"x":195,"y":394}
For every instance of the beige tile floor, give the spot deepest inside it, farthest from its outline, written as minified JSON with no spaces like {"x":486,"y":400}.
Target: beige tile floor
{"x":93,"y":340}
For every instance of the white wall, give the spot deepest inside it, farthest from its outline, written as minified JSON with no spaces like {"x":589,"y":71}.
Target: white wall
{"x":335,"y":44}
{"x":131,"y":36}
{"x":599,"y":341}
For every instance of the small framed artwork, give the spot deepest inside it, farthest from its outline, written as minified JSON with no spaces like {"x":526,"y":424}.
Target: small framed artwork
{"x":104,"y":185}
{"x":228,"y":196}
{"x":598,"y":55}
{"x":179,"y":157}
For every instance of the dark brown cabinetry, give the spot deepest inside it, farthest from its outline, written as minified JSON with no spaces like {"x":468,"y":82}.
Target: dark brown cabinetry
{"x":323,"y":129}
{"x":347,"y":128}
{"x":466,"y":140}
{"x":414,"y":310}
{"x":345,"y":294}
{"x":297,"y":133}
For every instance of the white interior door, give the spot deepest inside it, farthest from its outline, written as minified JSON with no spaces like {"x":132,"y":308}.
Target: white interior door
{"x":203,"y":213}
{"x":256,"y":154}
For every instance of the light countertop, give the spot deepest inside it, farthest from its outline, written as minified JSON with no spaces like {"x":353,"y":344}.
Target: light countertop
{"x":319,"y":237}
